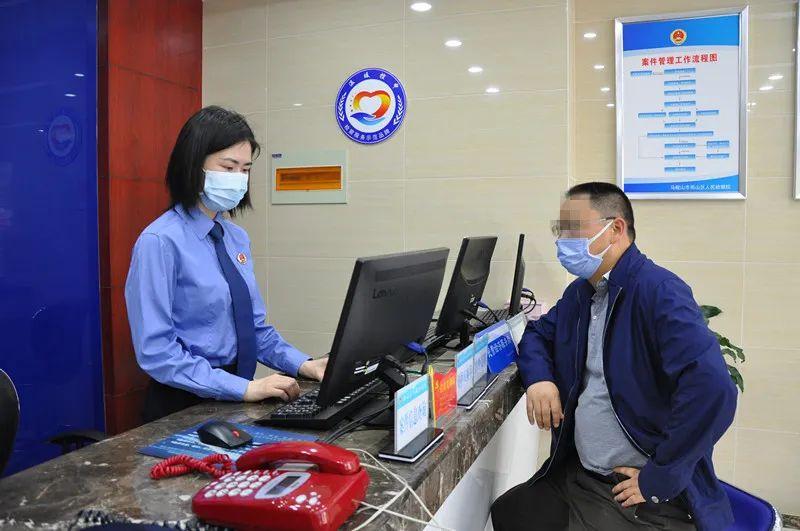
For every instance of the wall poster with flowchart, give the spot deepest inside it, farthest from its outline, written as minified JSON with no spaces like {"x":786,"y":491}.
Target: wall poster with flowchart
{"x":681,"y":100}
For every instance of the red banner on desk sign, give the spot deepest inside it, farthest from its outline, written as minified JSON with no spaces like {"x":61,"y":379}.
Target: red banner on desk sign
{"x":443,"y":395}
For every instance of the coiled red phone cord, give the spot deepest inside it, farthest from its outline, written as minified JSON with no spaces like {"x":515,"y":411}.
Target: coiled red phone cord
{"x":216,"y":465}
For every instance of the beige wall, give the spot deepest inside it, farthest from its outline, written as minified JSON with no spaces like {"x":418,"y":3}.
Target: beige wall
{"x":514,"y":152}
{"x":458,"y":149}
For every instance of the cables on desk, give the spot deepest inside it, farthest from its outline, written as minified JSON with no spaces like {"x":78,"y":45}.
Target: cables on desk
{"x":422,"y":351}
{"x":379,"y":509}
{"x":355,"y":424}
{"x":471,"y":315}
{"x":528,"y":294}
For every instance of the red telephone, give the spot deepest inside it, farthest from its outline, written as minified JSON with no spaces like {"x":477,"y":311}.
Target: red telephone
{"x":287,"y":486}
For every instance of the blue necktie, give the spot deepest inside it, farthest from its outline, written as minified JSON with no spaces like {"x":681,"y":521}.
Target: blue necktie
{"x":242,"y":308}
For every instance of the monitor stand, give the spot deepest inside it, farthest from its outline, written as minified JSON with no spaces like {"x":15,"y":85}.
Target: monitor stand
{"x":463,"y":334}
{"x":391,"y":372}
{"x":465,"y":330}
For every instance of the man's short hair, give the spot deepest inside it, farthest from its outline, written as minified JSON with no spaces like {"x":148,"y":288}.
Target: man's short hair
{"x":607,"y":199}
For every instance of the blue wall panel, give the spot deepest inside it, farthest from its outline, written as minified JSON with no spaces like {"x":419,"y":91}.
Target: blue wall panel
{"x":49,"y":279}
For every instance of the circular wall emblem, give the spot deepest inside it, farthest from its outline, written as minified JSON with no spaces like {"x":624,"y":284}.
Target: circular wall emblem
{"x":63,"y":139}
{"x":370,"y":106}
{"x":677,"y":37}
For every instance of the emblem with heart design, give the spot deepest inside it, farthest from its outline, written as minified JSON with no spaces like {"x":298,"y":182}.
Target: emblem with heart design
{"x":370,"y":106}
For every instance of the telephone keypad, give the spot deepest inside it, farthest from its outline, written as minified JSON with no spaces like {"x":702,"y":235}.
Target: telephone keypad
{"x":240,"y":483}
{"x":244,"y":483}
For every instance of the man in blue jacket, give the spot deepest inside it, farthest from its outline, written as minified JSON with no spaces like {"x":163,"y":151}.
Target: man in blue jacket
{"x":632,"y":382}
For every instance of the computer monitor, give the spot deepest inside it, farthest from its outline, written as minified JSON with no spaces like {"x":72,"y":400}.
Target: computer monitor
{"x":389,"y":303}
{"x":515,"y":304}
{"x":466,"y":284}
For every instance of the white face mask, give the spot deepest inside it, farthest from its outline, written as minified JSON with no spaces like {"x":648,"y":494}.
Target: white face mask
{"x":223,"y":190}
{"x":575,"y":256}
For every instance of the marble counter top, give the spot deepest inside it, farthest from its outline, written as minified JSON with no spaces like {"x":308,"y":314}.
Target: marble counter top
{"x":112,"y":477}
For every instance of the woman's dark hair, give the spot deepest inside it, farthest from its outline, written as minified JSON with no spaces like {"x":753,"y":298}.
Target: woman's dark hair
{"x":209,"y":130}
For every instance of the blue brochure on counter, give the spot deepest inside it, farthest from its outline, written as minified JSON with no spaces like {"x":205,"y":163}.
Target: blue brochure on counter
{"x":502,"y":349}
{"x":187,"y":442}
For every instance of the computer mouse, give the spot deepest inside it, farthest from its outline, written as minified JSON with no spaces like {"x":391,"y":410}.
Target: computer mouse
{"x":223,"y":434}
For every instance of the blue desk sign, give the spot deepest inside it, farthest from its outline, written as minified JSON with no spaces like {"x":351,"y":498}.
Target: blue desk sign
{"x":411,"y":411}
{"x":682,"y":105}
{"x":502,"y":349}
{"x":480,"y":364}
{"x":187,"y":442}
{"x":465,"y":370}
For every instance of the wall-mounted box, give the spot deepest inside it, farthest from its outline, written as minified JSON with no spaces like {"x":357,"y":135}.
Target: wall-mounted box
{"x":308,"y":177}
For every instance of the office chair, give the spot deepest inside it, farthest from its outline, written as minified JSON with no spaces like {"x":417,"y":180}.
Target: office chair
{"x":9,"y":417}
{"x":751,"y":513}
{"x":76,"y":439}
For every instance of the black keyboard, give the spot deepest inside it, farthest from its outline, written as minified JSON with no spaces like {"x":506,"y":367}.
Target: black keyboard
{"x":502,"y":315}
{"x":304,"y":412}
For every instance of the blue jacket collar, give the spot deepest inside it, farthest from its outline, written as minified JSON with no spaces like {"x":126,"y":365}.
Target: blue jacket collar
{"x":626,"y":267}
{"x":200,"y":223}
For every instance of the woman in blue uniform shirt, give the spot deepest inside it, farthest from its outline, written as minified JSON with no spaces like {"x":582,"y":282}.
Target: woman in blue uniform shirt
{"x":197,"y":319}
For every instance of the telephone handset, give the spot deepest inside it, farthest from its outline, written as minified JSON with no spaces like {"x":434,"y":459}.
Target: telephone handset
{"x":286,"y":486}
{"x":328,"y":458}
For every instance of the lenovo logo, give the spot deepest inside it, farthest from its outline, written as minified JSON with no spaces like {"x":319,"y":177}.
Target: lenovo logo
{"x":384,"y":292}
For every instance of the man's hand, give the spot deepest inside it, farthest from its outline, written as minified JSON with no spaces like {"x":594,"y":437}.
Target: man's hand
{"x":544,"y":405}
{"x":314,"y":369}
{"x":275,"y":385}
{"x":627,"y":492}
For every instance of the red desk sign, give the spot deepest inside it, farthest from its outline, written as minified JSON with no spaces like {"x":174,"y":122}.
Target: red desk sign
{"x":443,"y":397}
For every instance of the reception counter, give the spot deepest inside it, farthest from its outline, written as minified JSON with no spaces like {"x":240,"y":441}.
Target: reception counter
{"x":457,"y":480}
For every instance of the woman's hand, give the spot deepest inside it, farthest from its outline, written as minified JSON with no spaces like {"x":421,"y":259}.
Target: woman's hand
{"x":314,"y":369}
{"x":275,"y":385}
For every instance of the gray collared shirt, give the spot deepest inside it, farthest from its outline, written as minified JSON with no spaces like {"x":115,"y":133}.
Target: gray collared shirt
{"x":599,"y":439}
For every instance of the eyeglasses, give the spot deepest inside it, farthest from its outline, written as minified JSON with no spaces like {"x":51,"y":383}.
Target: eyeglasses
{"x":568,"y":228}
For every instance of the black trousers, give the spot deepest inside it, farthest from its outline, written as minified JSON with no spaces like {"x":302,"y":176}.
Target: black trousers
{"x":571,"y":498}
{"x":162,"y":400}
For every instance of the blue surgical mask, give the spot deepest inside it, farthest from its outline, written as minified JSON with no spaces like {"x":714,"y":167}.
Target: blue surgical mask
{"x":574,"y":255}
{"x":223,"y":190}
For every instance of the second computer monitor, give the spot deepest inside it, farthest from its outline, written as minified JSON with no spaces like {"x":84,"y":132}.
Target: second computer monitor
{"x":466,"y":284}
{"x":389,"y":303}
{"x":515,"y":304}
